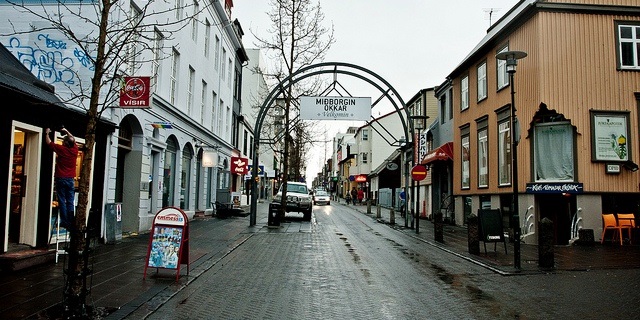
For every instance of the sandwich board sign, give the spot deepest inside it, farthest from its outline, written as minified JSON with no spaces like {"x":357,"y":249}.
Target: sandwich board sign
{"x":491,"y":228}
{"x":169,"y":241}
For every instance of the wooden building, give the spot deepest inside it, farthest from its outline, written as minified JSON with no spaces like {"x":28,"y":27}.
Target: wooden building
{"x":576,"y":94}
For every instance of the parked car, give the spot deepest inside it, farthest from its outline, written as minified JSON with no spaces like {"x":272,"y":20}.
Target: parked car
{"x":321,"y":197}
{"x":298,"y":198}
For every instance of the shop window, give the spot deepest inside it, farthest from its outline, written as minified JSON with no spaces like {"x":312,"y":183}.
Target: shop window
{"x":185,"y":177}
{"x":554,"y":152}
{"x":169,"y":173}
{"x":466,"y":183}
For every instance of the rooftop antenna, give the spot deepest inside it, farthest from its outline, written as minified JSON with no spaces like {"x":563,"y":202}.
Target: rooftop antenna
{"x":488,"y":13}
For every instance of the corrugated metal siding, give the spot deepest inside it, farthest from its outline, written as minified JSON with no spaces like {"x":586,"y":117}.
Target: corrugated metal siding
{"x":571,"y":67}
{"x":598,"y":2}
{"x":578,"y":73}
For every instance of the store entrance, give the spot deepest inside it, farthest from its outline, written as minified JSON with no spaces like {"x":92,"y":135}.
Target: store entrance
{"x":21,"y":217}
{"x":558,"y":208}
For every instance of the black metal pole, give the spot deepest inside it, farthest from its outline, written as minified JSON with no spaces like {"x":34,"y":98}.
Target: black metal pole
{"x":514,"y":157}
{"x":417,"y":205}
{"x":412,"y":210}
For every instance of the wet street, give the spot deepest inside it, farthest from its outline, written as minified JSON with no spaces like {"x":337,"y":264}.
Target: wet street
{"x":346,"y":265}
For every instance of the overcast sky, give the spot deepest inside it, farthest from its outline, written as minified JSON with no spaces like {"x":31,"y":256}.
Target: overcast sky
{"x":412,"y":44}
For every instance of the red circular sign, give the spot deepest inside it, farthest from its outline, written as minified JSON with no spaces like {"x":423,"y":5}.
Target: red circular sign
{"x":418,"y":172}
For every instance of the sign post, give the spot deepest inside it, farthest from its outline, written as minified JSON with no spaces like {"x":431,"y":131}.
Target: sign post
{"x":168,"y":241}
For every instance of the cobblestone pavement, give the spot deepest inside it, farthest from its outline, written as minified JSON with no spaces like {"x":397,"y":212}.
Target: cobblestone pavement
{"x":346,"y":265}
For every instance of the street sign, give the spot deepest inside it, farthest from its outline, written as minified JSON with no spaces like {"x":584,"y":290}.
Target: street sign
{"x":418,"y":172}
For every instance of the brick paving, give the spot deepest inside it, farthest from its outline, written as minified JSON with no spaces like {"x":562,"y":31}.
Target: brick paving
{"x":118,"y":269}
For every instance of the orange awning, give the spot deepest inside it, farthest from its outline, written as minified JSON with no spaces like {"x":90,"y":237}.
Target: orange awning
{"x":442,"y":153}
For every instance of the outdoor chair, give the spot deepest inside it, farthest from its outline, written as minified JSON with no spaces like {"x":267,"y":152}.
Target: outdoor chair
{"x":626,"y":221}
{"x":609,"y":222}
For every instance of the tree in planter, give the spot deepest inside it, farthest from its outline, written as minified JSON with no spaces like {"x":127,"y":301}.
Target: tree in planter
{"x":298,"y":39}
{"x":108,"y":39}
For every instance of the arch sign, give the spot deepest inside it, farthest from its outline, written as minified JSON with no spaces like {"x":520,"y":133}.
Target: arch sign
{"x":335,"y":108}
{"x":329,"y":107}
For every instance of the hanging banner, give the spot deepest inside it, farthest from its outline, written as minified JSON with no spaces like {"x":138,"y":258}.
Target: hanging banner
{"x":335,"y":108}
{"x":134,"y":92}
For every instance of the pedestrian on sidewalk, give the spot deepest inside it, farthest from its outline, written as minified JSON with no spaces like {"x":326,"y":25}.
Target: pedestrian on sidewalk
{"x":360,"y":195}
{"x":354,"y":195}
{"x":403,"y":200}
{"x":64,"y":175}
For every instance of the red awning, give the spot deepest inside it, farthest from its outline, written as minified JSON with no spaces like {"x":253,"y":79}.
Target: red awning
{"x":442,"y":153}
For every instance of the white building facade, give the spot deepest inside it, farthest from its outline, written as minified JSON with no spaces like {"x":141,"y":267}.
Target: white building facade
{"x":156,"y":157}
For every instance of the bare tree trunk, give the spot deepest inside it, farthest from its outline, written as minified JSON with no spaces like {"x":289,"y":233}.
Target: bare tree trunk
{"x":75,"y":295}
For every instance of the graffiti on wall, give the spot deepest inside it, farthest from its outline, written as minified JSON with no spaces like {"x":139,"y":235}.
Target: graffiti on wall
{"x":50,"y":59}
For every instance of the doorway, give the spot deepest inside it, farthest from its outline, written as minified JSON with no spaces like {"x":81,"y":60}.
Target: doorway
{"x":21,"y":214}
{"x":558,"y":208}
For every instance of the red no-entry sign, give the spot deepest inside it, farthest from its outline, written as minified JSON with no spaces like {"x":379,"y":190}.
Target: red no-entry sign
{"x":418,"y":172}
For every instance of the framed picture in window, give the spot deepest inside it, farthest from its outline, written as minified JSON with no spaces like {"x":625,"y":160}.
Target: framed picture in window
{"x":610,"y":136}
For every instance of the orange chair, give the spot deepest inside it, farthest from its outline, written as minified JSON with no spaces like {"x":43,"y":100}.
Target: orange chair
{"x":609,"y":223}
{"x":626,"y":221}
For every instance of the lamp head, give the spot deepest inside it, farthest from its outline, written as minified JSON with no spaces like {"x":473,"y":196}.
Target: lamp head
{"x":511,"y":57}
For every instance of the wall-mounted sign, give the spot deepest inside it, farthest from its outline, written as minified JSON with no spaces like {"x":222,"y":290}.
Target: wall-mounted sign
{"x":134,"y":92}
{"x":239,"y":165}
{"x":335,"y":108}
{"x":559,"y":187}
{"x":361,"y":178}
{"x":612,"y":168}
{"x":209,"y":159}
{"x":609,"y":136}
{"x":260,"y":170}
{"x":392,"y":166}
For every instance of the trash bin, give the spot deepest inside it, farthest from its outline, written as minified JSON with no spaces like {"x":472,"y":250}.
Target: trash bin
{"x":274,"y":215}
{"x":113,"y":222}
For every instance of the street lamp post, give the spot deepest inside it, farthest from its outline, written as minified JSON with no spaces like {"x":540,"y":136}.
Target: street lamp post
{"x":511,"y":58}
{"x":418,"y":124}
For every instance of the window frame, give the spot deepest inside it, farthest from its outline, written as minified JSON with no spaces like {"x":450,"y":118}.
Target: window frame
{"x":465,"y":158}
{"x":175,"y":66}
{"x":203,"y":101}
{"x":502,"y":77}
{"x":504,"y":153}
{"x":483,"y":157}
{"x":481,"y":81}
{"x":207,"y":37}
{"x":535,"y":152}
{"x":190,"y":89}
{"x":635,"y":29}
{"x":464,"y":93}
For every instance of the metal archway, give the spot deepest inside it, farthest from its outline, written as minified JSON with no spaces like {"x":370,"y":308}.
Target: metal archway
{"x":313,"y":70}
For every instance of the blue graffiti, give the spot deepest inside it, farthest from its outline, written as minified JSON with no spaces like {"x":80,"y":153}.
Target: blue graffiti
{"x":49,"y":60}
{"x":84,"y":59}
{"x":50,"y":43}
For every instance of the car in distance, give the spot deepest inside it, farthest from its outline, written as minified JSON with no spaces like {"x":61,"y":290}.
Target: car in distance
{"x":298,"y":198}
{"x":321,"y":197}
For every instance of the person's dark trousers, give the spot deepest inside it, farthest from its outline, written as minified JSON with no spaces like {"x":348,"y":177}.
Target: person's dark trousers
{"x":66,"y":194}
